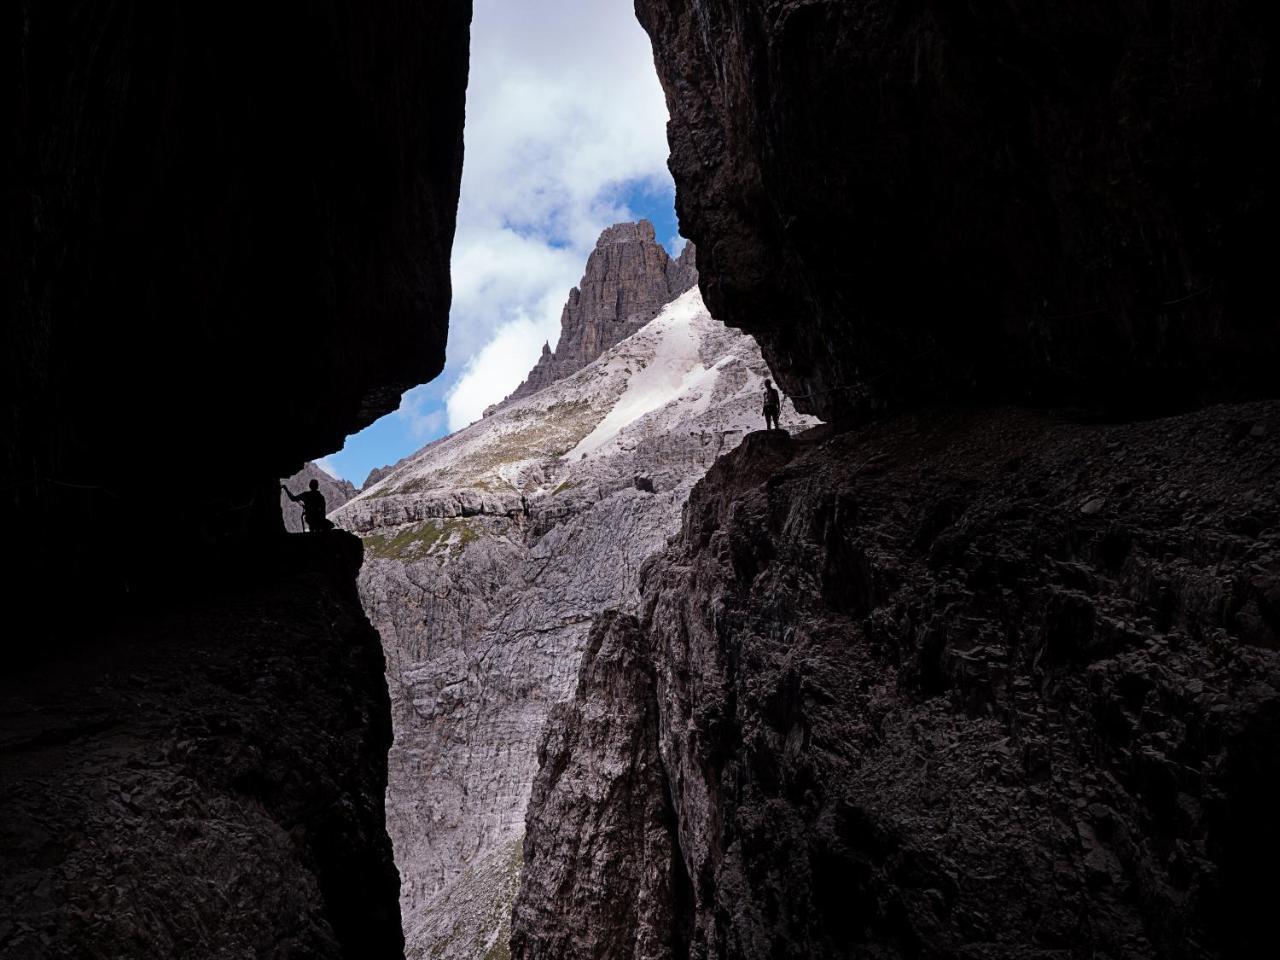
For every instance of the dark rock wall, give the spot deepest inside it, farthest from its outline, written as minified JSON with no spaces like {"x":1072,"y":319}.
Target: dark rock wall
{"x":230,"y":232}
{"x":982,"y":684}
{"x":226,"y":240}
{"x":1021,"y":201}
{"x":207,"y":779}
{"x":628,"y":280}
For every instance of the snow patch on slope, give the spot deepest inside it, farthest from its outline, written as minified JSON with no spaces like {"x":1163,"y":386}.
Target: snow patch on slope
{"x":671,"y":372}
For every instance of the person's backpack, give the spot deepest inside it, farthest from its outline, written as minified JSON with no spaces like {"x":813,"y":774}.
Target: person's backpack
{"x":771,"y":398}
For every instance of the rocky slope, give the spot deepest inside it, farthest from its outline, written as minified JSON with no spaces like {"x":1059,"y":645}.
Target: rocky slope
{"x":629,"y":278}
{"x":336,"y":493}
{"x":205,"y":780}
{"x":1019,"y":201}
{"x":985,"y":684}
{"x":489,"y":554}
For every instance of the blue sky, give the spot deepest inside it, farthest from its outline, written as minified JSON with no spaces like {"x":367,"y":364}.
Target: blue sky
{"x":565,"y":135}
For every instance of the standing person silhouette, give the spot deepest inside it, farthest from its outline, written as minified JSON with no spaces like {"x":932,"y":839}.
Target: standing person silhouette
{"x":313,"y":511}
{"x":772,"y":406}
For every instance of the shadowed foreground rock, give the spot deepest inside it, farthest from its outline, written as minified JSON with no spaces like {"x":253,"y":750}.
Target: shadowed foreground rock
{"x":983,"y":685}
{"x":935,"y":199}
{"x":208,"y":784}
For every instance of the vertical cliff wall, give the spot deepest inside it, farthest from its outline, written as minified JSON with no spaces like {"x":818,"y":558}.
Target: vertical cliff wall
{"x":995,"y":198}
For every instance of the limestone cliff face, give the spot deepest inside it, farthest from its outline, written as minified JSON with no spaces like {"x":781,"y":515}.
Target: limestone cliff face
{"x":336,"y":493}
{"x":983,"y":684}
{"x":601,"y":823}
{"x":629,"y":278}
{"x":489,"y":554}
{"x":932,"y":199}
{"x":206,"y":779}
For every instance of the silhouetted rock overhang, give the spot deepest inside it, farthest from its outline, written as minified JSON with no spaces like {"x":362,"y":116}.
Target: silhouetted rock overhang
{"x":231,"y":227}
{"x":1037,"y":203}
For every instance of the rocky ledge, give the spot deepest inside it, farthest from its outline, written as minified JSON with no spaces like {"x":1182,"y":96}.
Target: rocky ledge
{"x":207,"y":779}
{"x":962,"y":684}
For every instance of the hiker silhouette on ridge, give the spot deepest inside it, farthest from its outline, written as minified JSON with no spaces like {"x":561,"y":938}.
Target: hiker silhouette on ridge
{"x":772,"y":406}
{"x":313,"y":511}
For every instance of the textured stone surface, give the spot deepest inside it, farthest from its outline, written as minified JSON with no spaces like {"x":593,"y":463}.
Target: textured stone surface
{"x":601,"y":825}
{"x":489,"y":553}
{"x":336,"y":493}
{"x":629,"y":278}
{"x":983,"y":684}
{"x":205,"y":780}
{"x":1010,"y":200}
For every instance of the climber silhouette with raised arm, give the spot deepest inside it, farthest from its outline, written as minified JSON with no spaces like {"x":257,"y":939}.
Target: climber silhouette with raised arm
{"x":772,"y":406}
{"x":313,"y":511}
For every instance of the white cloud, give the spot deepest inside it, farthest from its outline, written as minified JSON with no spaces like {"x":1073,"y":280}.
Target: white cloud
{"x":417,"y":409}
{"x":564,"y":107}
{"x":495,"y":371}
{"x":326,"y":464}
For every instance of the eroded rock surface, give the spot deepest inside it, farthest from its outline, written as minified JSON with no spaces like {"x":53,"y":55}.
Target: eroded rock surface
{"x":629,"y":278}
{"x":206,"y":780}
{"x":927,"y":200}
{"x":489,"y":554}
{"x":983,"y":684}
{"x":601,"y":824}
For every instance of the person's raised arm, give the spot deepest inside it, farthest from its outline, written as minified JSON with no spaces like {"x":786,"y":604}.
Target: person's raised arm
{"x":288,"y":494}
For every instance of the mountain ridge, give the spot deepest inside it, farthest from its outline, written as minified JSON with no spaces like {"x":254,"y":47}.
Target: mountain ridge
{"x":629,"y":277}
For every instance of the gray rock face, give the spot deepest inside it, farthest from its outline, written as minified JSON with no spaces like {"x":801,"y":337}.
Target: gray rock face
{"x":600,"y":821}
{"x":336,"y":493}
{"x":629,"y":278}
{"x":978,"y":684}
{"x":488,"y":556}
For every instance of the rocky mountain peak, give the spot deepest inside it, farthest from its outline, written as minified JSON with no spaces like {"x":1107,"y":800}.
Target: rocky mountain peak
{"x":629,"y":278}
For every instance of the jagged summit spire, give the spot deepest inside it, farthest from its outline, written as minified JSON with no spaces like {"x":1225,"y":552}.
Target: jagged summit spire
{"x":629,"y":278}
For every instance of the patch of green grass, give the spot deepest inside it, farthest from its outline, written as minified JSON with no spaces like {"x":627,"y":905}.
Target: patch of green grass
{"x":418,"y":538}
{"x":465,"y":533}
{"x":421,"y":539}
